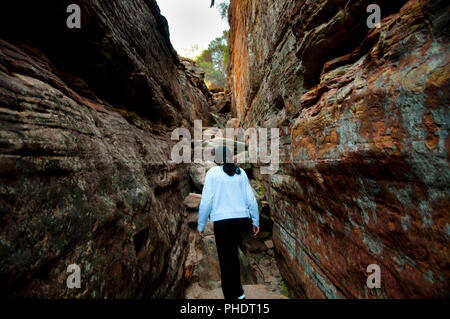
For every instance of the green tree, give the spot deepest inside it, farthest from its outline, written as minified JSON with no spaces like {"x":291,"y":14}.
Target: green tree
{"x":223,"y":9}
{"x":214,"y":60}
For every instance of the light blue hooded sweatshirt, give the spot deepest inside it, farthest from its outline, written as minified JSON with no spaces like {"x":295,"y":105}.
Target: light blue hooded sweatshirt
{"x":225,"y":197}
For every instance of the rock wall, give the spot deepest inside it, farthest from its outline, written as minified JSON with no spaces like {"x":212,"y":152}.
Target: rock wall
{"x":85,"y":177}
{"x":364,"y":118}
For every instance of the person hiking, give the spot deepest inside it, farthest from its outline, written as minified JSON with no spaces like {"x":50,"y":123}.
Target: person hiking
{"x":229,"y":202}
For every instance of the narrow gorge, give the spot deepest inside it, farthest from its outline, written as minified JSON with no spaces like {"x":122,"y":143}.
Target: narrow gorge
{"x":86,"y":169}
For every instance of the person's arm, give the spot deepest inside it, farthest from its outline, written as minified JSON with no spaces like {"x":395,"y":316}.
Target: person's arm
{"x":205,"y":203}
{"x":251,"y":203}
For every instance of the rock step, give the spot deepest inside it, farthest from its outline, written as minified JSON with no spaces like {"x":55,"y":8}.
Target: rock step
{"x":251,"y":292}
{"x":192,"y":201}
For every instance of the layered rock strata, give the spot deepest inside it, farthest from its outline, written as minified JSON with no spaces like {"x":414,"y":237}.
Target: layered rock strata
{"x":363,"y":117}
{"x":85,"y":171}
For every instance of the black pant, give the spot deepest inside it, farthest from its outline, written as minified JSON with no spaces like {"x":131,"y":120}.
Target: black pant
{"x":229,"y":233}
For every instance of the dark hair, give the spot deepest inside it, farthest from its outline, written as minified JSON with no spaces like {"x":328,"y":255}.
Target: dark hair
{"x":224,"y":155}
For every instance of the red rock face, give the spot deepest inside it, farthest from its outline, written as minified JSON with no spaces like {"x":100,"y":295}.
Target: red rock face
{"x":85,"y":178}
{"x":364,"y":121}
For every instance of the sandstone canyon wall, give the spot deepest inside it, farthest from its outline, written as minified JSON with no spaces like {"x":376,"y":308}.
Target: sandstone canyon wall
{"x":364,"y":118}
{"x":85,"y":177}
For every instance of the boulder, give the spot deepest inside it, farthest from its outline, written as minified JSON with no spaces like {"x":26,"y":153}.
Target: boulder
{"x":269,"y":244}
{"x":197,"y":173}
{"x":253,"y":245}
{"x":192,"y":201}
{"x":263,"y":235}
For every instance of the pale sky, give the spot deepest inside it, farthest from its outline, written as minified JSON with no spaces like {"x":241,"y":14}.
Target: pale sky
{"x":192,"y":22}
